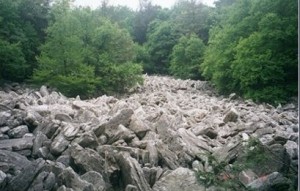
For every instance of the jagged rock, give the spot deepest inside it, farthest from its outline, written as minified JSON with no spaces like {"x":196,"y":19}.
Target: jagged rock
{"x":70,"y":131}
{"x":59,"y":144}
{"x":122,"y":117}
{"x":47,"y":128}
{"x":181,"y":179}
{"x":22,"y":181}
{"x":138,"y":127}
{"x":210,"y":132}
{"x":4,"y":117}
{"x":166,"y":124}
{"x":247,"y":176}
{"x":38,"y":143}
{"x":132,"y":172}
{"x":3,"y":179}
{"x":18,"y":132}
{"x":95,"y":179}
{"x":72,"y":180}
{"x":63,"y":188}
{"x":150,"y":175}
{"x":88,"y":139}
{"x":87,"y":159}
{"x":130,"y":187}
{"x":16,"y":144}
{"x":227,"y":153}
{"x":12,"y":161}
{"x":292,"y":149}
{"x":119,"y":133}
{"x":231,"y":116}
{"x":63,"y":117}
{"x":273,"y":181}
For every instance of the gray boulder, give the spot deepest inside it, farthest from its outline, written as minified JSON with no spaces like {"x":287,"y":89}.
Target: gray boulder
{"x":23,"y":180}
{"x":131,"y":172}
{"x":72,"y":180}
{"x":181,"y":179}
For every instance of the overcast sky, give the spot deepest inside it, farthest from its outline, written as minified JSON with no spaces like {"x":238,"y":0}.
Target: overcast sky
{"x":133,"y":3}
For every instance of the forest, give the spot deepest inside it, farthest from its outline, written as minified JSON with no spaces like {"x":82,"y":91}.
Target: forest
{"x":244,"y":46}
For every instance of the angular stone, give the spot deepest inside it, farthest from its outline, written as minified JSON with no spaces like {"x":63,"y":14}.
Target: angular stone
{"x":63,"y":117}
{"x":72,"y":180}
{"x":138,"y":127}
{"x":270,"y":182}
{"x":59,"y":144}
{"x":292,"y":149}
{"x":70,"y":131}
{"x":210,"y":132}
{"x":231,"y":116}
{"x":3,"y":180}
{"x":38,"y":143}
{"x":87,"y":159}
{"x":22,"y":181}
{"x":95,"y":179}
{"x":122,"y":117}
{"x":132,"y":172}
{"x":18,"y":132}
{"x":181,"y":179}
{"x":16,"y":144}
{"x":119,"y":133}
{"x":247,"y":176}
{"x":11,"y":160}
{"x":88,"y":139}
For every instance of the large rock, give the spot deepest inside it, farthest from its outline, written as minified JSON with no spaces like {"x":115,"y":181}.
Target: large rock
{"x":87,"y":159}
{"x":231,"y":116}
{"x":22,"y":181}
{"x":72,"y":180}
{"x":274,"y":181}
{"x":16,"y":144}
{"x":12,"y":161}
{"x":18,"y":132}
{"x":132,"y":173}
{"x":122,"y":117}
{"x":59,"y":144}
{"x":181,"y":179}
{"x":95,"y":179}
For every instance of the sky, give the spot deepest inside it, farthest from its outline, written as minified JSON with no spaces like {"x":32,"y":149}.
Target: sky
{"x":134,"y":3}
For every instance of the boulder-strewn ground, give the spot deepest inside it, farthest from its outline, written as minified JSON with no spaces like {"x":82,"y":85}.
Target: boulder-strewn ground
{"x":152,"y":140}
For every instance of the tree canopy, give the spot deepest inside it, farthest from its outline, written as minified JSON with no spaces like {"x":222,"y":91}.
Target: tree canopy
{"x":244,"y":46}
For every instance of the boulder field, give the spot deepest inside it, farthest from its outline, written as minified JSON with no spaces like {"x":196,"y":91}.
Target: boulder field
{"x":155,"y":139}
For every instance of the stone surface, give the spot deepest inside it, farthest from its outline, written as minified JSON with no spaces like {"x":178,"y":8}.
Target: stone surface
{"x":95,"y":179}
{"x":72,"y":180}
{"x":273,"y":181}
{"x":149,"y":139}
{"x":181,"y":179}
{"x":132,"y":172}
{"x":22,"y":181}
{"x":18,"y":132}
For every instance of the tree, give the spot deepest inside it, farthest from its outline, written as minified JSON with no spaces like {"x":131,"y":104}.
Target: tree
{"x":160,"y":43}
{"x":252,"y":50}
{"x":85,"y":55}
{"x":61,"y":61}
{"x":187,"y":55}
{"x":190,"y":16}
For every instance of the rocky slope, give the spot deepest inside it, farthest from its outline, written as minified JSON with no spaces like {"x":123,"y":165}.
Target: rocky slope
{"x":153,"y":140}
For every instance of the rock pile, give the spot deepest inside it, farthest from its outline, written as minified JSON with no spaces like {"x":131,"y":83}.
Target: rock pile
{"x":152,"y":140}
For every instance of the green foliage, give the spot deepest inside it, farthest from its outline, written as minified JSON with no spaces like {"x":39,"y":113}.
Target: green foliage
{"x":84,"y":54}
{"x":160,"y":43}
{"x":252,"y":50}
{"x":186,"y":57}
{"x":12,"y":62}
{"x":226,"y":175}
